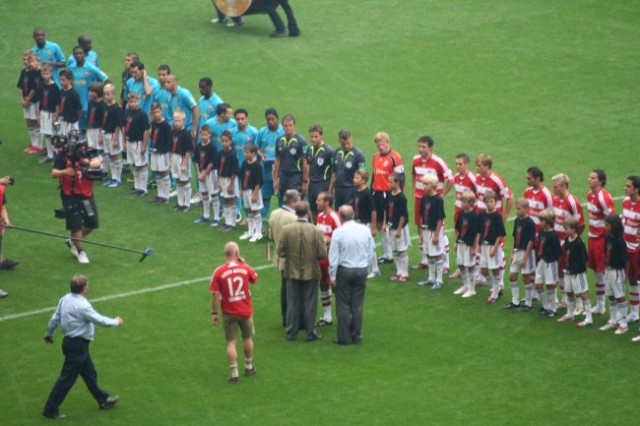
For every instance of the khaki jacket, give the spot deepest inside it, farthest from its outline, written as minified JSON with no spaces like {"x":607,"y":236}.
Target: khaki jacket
{"x":278,"y":219}
{"x":301,"y":245}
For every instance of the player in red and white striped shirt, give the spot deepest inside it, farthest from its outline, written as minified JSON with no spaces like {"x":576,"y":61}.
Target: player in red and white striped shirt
{"x":631,"y":223}
{"x":427,"y":163}
{"x":327,"y":221}
{"x":599,"y":205}
{"x":565,"y":205}
{"x":537,"y":194}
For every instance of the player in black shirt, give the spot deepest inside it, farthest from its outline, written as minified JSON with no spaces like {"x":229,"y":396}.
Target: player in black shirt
{"x":575,"y":261}
{"x":396,"y":222}
{"x":251,"y":182}
{"x":205,"y":160}
{"x":364,"y":211}
{"x":136,"y":132}
{"x":227,"y":164}
{"x":467,"y":227}
{"x":49,"y":99}
{"x":180,"y":161}
{"x":431,"y":222}
{"x":615,"y":260}
{"x":492,"y":233}
{"x":160,"y":145}
{"x":70,"y":105}
{"x":523,"y":259}
{"x":549,"y":253}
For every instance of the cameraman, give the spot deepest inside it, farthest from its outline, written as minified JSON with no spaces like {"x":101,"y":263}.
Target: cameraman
{"x":70,"y":166}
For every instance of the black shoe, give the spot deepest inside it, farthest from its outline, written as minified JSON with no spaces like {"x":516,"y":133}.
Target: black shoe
{"x":278,"y":33}
{"x":323,"y":323}
{"x":384,"y":260}
{"x":510,"y":305}
{"x":314,"y":336}
{"x":56,"y":416}
{"x":356,"y":340}
{"x":8,"y":264}
{"x":250,"y":371}
{"x":292,"y":337}
{"x":294,"y":33}
{"x":339,"y":342}
{"x":110,"y":402}
{"x":523,"y":308}
{"x":542,"y":311}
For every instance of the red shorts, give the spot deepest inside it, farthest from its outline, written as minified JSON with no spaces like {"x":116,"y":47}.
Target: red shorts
{"x":416,"y":210}
{"x":324,"y":270}
{"x":633,"y":269}
{"x":595,"y":250}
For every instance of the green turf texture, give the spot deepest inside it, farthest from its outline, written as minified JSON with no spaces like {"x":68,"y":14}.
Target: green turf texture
{"x":553,"y":84}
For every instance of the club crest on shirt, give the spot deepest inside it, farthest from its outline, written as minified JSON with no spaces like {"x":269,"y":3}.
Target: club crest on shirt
{"x":293,"y":151}
{"x":348,"y":164}
{"x":320,"y":161}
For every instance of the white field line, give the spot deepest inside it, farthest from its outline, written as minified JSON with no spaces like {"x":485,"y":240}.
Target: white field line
{"x":164,"y":287}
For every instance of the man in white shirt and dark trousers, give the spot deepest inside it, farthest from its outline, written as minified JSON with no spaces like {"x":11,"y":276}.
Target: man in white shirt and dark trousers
{"x":77,"y":317}
{"x":350,"y":256}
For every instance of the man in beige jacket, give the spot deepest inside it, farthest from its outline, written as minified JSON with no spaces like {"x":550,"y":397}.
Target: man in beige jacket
{"x":301,"y":245}
{"x":278,"y":219}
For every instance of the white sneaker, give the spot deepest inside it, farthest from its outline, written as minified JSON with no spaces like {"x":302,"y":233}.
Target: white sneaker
{"x":598,"y":311}
{"x":72,"y":247}
{"x":82,"y":257}
{"x":608,"y":326}
{"x":372,"y":275}
{"x":636,"y":339}
{"x":622,"y":329}
{"x":633,"y":318}
{"x":461,"y":290}
{"x":173,"y":194}
{"x":196,"y":199}
{"x":245,"y":236}
{"x":3,"y":294}
{"x":469,"y":293}
{"x":256,"y":238}
{"x":579,"y":310}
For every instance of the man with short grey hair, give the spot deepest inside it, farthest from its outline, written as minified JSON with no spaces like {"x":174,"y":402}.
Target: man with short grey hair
{"x":77,"y":317}
{"x":350,"y":259}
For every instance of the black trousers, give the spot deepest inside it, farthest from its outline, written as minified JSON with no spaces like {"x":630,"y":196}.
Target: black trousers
{"x":270,"y":7}
{"x":77,"y":362}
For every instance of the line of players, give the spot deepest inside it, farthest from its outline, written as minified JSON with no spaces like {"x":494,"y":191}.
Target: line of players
{"x":287,"y":162}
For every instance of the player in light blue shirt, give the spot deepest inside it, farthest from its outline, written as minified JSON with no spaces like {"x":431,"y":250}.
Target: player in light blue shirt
{"x":49,"y":53}
{"x":181,"y":99}
{"x":244,"y":134}
{"x":266,"y":142}
{"x":221,"y":122}
{"x":84,"y":74}
{"x":208,"y":102}
{"x":143,"y":85}
{"x":91,"y":56}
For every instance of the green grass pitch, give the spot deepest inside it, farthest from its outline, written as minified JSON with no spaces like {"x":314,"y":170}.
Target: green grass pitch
{"x":546,"y":83}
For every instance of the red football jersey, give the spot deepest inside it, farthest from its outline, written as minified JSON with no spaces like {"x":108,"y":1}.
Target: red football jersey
{"x":433,"y":165}
{"x":328,"y":223}
{"x":599,"y":206}
{"x":539,"y":200}
{"x":564,"y":209}
{"x":495,"y":183}
{"x":631,"y":222}
{"x":232,"y":281}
